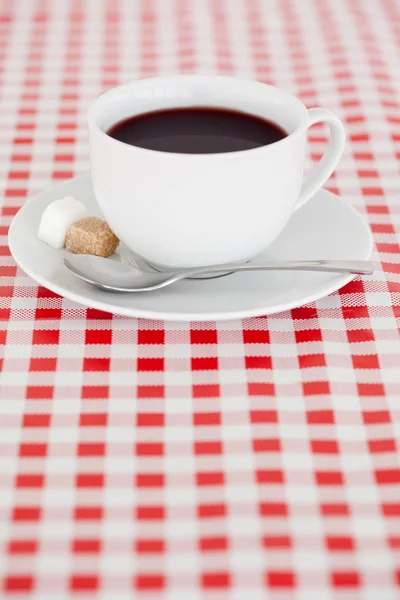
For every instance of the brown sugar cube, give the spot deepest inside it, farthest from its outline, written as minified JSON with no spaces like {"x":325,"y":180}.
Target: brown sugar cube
{"x":91,"y":236}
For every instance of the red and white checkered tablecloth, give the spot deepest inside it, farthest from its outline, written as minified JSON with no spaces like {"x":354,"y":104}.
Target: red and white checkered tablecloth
{"x":220,"y":461}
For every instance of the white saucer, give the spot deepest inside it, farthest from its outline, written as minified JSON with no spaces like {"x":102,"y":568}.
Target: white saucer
{"x":325,"y":228}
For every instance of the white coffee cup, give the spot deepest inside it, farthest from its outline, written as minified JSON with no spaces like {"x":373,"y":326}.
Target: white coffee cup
{"x":188,"y":210}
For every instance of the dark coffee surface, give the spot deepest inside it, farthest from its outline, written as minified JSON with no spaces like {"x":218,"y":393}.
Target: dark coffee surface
{"x":199,"y":130}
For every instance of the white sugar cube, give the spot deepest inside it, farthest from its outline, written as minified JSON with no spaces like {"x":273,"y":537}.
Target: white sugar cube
{"x":56,"y":219}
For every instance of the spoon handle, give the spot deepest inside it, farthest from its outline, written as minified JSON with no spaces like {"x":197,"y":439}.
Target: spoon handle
{"x":355,"y":267}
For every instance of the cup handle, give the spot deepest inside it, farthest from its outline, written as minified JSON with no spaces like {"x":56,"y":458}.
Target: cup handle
{"x":322,"y":171}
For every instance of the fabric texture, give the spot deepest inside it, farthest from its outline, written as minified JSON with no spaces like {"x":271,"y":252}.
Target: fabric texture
{"x":255,"y":459}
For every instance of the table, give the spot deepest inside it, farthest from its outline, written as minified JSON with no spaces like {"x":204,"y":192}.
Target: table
{"x":255,"y":459}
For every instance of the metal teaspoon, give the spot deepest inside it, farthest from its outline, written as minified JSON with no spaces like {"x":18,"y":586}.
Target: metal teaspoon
{"x":117,"y":277}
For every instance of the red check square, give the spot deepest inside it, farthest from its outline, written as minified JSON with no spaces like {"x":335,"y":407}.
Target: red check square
{"x":216,"y":580}
{"x":213,"y":544}
{"x":308,"y":335}
{"x":205,"y":364}
{"x":93,"y":420}
{"x":150,"y":546}
{"x":20,"y":583}
{"x":22,"y":547}
{"x":83,"y":583}
{"x":150,"y":364}
{"x":256,"y":336}
{"x":346,"y":579}
{"x":266,"y":445}
{"x":258,"y":362}
{"x":96,"y":364}
{"x":207,"y":336}
{"x":206,"y":391}
{"x":316,"y":388}
{"x":46,"y":336}
{"x":207,"y":418}
{"x":88,"y":513}
{"x":151,"y":336}
{"x":325,"y":446}
{"x":207,"y":511}
{"x":340,"y":543}
{"x":280,"y":579}
{"x":98,"y":336}
{"x":149,"y":582}
{"x":86,"y":546}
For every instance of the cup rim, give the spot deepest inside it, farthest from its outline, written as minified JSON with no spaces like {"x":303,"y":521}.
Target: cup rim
{"x":91,"y":119}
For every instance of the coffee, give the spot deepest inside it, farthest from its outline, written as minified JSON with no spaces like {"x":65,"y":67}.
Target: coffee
{"x":198,"y":130}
